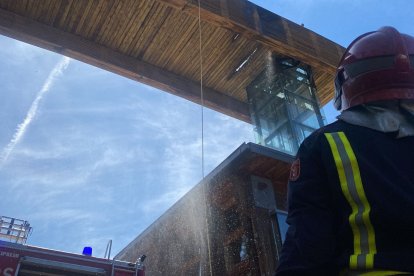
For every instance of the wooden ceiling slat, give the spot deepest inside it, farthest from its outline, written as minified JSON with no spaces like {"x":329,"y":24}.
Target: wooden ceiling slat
{"x":37,"y":11}
{"x":74,"y":15}
{"x":190,"y":65}
{"x":191,"y":57}
{"x":215,"y":54}
{"x":234,"y":54}
{"x":62,"y":14}
{"x":172,"y":63}
{"x":19,"y":7}
{"x":51,"y":13}
{"x":189,"y":53}
{"x":111,"y":21}
{"x":229,"y":63}
{"x":89,"y":27}
{"x":155,"y":18}
{"x":115,"y":19}
{"x":79,"y":15}
{"x":119,"y":22}
{"x":213,"y":47}
{"x":161,"y":51}
{"x":324,"y":85}
{"x":162,"y":27}
{"x":223,"y":70}
{"x":162,"y":45}
{"x":130,"y":13}
{"x":175,"y":37}
{"x":192,"y":69}
{"x":237,"y":86}
{"x":226,"y":68}
{"x":142,"y":28}
{"x":134,"y":34}
{"x":101,"y":20}
{"x":11,"y":5}
{"x":47,"y":12}
{"x":330,"y":51}
{"x":84,"y":17}
{"x":31,"y":7}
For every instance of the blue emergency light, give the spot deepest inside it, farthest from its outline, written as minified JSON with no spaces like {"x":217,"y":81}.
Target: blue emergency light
{"x":87,"y":251}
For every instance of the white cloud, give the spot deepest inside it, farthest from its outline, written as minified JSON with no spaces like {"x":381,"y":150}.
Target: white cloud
{"x":21,"y":129}
{"x":63,"y":215}
{"x":163,"y":201}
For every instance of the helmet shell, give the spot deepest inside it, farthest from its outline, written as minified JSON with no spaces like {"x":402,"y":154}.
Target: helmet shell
{"x":376,"y":66}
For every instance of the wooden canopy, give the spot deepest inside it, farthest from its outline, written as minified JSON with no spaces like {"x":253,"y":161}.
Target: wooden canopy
{"x":157,"y":42}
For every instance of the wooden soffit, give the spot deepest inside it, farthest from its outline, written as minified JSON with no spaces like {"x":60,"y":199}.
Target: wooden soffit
{"x":157,"y":42}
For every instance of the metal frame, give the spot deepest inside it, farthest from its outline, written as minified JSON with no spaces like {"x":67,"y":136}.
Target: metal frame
{"x":14,"y":230}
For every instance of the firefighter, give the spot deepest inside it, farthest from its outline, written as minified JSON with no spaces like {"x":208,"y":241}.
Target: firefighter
{"x":351,"y":188}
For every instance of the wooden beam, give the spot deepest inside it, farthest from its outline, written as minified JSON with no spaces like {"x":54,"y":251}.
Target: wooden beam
{"x":272,"y":30}
{"x":44,"y":36}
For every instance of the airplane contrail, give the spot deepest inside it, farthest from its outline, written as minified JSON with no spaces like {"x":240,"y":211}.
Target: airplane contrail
{"x":21,"y":128}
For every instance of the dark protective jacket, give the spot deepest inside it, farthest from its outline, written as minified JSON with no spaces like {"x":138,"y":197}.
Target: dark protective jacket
{"x":351,"y":203}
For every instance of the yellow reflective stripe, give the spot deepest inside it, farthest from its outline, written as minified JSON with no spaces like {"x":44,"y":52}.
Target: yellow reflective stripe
{"x":345,"y":191}
{"x":348,"y":272}
{"x":363,"y":197}
{"x":353,"y":190}
{"x":383,"y":273}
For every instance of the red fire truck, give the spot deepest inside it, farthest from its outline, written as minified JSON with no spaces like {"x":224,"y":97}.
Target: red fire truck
{"x":16,"y":258}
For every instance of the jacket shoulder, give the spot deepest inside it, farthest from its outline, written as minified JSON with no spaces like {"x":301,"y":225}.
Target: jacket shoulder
{"x":319,"y":134}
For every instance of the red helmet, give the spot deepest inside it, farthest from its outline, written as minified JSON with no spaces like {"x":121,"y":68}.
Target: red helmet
{"x":376,"y":66}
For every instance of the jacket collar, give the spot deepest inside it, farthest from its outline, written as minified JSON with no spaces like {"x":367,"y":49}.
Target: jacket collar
{"x":388,"y":116}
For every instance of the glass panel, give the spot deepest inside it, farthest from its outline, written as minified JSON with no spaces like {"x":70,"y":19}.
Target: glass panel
{"x":283,"y":226}
{"x":283,"y":104}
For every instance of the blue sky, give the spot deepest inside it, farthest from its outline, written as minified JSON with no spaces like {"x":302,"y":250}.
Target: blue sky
{"x":87,"y":156}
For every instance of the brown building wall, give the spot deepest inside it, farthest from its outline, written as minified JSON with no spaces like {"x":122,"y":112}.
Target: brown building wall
{"x":226,"y":225}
